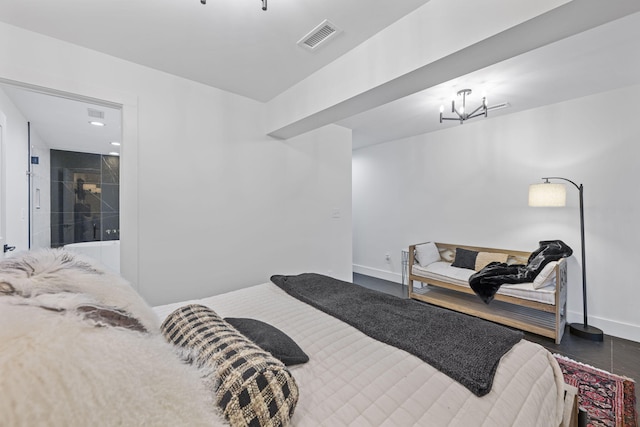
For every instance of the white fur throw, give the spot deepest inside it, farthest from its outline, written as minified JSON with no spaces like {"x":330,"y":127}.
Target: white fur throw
{"x":79,"y":347}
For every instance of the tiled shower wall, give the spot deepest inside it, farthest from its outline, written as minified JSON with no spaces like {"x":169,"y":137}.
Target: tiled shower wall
{"x":85,"y":194}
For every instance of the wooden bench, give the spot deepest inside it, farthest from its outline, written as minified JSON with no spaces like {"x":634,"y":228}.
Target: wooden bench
{"x":540,"y":318}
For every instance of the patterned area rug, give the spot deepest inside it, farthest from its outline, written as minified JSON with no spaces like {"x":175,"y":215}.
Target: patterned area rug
{"x":609,"y":399}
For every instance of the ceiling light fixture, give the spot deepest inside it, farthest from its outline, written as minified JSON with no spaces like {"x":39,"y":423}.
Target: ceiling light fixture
{"x":498,"y":106}
{"x":96,"y":123}
{"x":114,"y":153}
{"x":115,"y":143}
{"x":264,"y":3}
{"x":482,"y":110}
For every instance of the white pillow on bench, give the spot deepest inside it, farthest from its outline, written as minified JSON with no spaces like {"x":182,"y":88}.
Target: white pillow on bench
{"x":427,"y":253}
{"x":542,"y":279}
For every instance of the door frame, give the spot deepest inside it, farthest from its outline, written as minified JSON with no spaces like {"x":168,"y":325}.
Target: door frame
{"x":3,"y":180}
{"x":129,"y":205}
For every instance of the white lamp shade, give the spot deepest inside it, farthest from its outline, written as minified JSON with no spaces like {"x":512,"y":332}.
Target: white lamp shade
{"x":547,"y":194}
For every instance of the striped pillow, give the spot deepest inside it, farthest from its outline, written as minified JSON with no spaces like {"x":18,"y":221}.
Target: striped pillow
{"x":255,"y":388}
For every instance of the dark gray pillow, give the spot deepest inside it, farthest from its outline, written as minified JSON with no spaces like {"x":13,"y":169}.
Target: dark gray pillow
{"x":270,"y":339}
{"x":465,"y":259}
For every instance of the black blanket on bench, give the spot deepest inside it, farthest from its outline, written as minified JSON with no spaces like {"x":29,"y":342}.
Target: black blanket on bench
{"x":463,"y":347}
{"x":486,"y":282}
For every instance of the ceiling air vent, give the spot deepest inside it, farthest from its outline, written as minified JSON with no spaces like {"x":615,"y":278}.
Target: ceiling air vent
{"x":96,"y":114}
{"x":319,"y":35}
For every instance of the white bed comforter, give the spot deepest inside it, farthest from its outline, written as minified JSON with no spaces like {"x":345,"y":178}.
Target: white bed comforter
{"x":354,"y":380}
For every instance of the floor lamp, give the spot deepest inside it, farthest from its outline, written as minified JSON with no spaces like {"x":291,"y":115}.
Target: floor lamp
{"x":548,"y":194}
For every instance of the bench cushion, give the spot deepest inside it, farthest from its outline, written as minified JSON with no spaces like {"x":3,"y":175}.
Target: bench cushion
{"x":445,"y":272}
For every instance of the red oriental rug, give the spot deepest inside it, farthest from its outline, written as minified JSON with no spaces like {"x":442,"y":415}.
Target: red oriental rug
{"x":609,"y":399}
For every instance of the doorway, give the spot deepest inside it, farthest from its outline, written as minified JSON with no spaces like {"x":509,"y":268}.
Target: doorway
{"x":60,"y":127}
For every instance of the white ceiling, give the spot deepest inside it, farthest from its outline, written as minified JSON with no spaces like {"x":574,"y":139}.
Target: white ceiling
{"x":604,"y":58}
{"x":230,"y":44}
{"x":64,"y":123}
{"x":235,"y":46}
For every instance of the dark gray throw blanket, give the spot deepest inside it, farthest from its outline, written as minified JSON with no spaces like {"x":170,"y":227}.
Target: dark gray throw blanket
{"x":463,"y":347}
{"x":486,"y":282}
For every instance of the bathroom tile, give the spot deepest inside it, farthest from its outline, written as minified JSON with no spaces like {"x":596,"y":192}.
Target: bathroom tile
{"x":77,"y":210}
{"x":64,"y":158}
{"x":110,"y":169}
{"x":110,"y":198}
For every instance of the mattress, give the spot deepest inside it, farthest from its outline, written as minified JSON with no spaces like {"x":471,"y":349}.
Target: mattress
{"x":354,"y":380}
{"x":443,"y":271}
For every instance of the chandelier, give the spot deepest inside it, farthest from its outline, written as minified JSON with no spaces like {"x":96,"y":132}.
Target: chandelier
{"x":461,"y":112}
{"x":264,"y":3}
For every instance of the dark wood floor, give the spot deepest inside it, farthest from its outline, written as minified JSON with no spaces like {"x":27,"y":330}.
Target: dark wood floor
{"x":616,"y":355}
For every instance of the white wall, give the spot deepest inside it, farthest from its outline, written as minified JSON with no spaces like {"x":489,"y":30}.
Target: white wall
{"x":237,"y":211}
{"x":16,"y":179}
{"x":41,"y":193}
{"x":468,"y":184}
{"x":17,"y":146}
{"x":209,"y":203}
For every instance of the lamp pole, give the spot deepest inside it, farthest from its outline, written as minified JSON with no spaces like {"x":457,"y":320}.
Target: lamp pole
{"x":582,"y":329}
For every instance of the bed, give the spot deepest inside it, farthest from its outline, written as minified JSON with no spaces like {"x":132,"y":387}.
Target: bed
{"x":79,"y":347}
{"x":354,"y":380}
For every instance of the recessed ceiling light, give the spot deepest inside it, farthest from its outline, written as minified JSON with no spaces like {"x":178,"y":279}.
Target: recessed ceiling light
{"x":97,"y":123}
{"x":116,"y":143}
{"x":113,"y":153}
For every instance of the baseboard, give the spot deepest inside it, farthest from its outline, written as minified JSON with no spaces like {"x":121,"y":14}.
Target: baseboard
{"x":380,"y":274}
{"x":609,"y":327}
